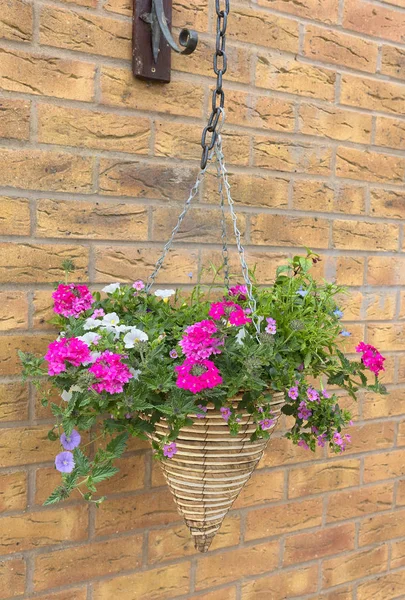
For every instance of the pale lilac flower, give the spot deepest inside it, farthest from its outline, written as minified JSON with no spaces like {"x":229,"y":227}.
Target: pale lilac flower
{"x":266,"y":424}
{"x":169,"y":450}
{"x":99,"y":312}
{"x":173,"y":353}
{"x":303,"y":411}
{"x":325,"y":394}
{"x":293,"y":392}
{"x":313,"y":395}
{"x":303,"y":444}
{"x":203,"y":410}
{"x":72,"y":441}
{"x":225,"y":412}
{"x":345,"y":333}
{"x":138,"y":285}
{"x":338,"y":313}
{"x":64,"y":462}
{"x":271,"y":326}
{"x":302,"y":292}
{"x":322,"y":440}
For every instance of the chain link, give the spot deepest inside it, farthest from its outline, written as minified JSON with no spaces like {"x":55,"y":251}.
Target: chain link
{"x":218,"y":95}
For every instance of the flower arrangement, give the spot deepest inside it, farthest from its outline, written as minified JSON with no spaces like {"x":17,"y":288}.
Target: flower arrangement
{"x":128,"y":358}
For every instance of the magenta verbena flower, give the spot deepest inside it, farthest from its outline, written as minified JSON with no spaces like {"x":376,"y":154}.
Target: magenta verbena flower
{"x":240,"y":291}
{"x":169,"y":450}
{"x":64,"y":462}
{"x":238,"y":317}
{"x":371,"y":358}
{"x":225,"y":412}
{"x":266,"y":424}
{"x":111,"y":373}
{"x":72,"y":441}
{"x":71,"y":300}
{"x":271,"y":327}
{"x":312,"y":395}
{"x":303,"y":411}
{"x":197,"y":375}
{"x":235,"y":313}
{"x":198,"y":342}
{"x":293,"y":392}
{"x":71,"y":350}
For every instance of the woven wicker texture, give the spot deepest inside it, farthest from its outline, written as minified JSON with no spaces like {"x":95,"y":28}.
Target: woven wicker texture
{"x":210,"y":469}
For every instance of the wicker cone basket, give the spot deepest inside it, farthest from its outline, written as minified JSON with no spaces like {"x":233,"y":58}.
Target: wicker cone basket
{"x":210,"y":469}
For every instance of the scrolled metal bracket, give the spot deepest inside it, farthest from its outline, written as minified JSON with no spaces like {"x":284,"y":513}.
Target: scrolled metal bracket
{"x":152,"y":40}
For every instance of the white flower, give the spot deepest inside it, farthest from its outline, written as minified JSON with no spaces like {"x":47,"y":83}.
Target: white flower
{"x":66,"y":395}
{"x":134,"y":336}
{"x":123,"y":328}
{"x":110,"y":289}
{"x":90,"y":338}
{"x":110,"y":321}
{"x":91,"y":323}
{"x":164,"y":293}
{"x":135,"y":372}
{"x":240,"y":336}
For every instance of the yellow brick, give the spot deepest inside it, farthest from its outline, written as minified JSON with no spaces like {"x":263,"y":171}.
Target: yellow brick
{"x":289,"y":231}
{"x":309,"y":546}
{"x":43,"y":170}
{"x":354,"y":566}
{"x":128,"y":264}
{"x":271,"y":113}
{"x":16,"y":20}
{"x":359,"y":235}
{"x":329,"y":121}
{"x":283,"y":155}
{"x":13,"y":491}
{"x":12,"y":577}
{"x":295,"y":583}
{"x":272,"y":31}
{"x":36,"y":529}
{"x":387,"y":337}
{"x":200,"y":61}
{"x":387,"y":203}
{"x":383,"y":466}
{"x":193,"y":14}
{"x":13,"y":311}
{"x":373,"y":94}
{"x":362,"y":501}
{"x":386,"y":271}
{"x":383,"y":587}
{"x":14,"y":119}
{"x":251,"y":190}
{"x":46,"y":76}
{"x":154,"y":181}
{"x":285,"y":518}
{"x":378,"y":528}
{"x":326,"y":11}
{"x":262,"y":488}
{"x":158,"y":584}
{"x":10,"y":363}
{"x":379,"y":21}
{"x":120,"y":88}
{"x":122,"y":7}
{"x":393,"y":61}
{"x":264,"y":263}
{"x":24,"y":263}
{"x":70,"y":594}
{"x":85,"y":32}
{"x":13,"y":402}
{"x":176,"y":542}
{"x":92,"y":220}
{"x":14,"y":216}
{"x":88,"y":129}
{"x":340,"y":49}
{"x":323,"y":477}
{"x":390,"y":132}
{"x":43,"y":310}
{"x":288,"y":75}
{"x":76,"y":564}
{"x":369,"y":166}
{"x":380,"y":305}
{"x":349,"y":270}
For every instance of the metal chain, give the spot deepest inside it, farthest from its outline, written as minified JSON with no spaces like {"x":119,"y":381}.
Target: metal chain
{"x":245,"y":270}
{"x":224,"y":237}
{"x":218,"y":95}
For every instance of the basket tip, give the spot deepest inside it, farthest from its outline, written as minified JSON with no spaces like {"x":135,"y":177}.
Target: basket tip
{"x":202,"y":543}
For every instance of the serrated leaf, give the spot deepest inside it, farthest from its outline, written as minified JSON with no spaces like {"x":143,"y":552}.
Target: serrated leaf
{"x":56,"y":496}
{"x":82,"y":464}
{"x":101,"y":473}
{"x":117,"y":445}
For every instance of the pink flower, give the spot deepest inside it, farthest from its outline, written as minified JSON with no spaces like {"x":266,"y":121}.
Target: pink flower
{"x":266,"y":424}
{"x":111,"y":373}
{"x":99,"y":312}
{"x":371,"y":358}
{"x":293,"y":393}
{"x":321,"y":440}
{"x":70,"y":350}
{"x":198,"y":342}
{"x":217,"y":309}
{"x":203,"y":410}
{"x":71,"y":300}
{"x":325,"y":394}
{"x":240,"y":291}
{"x":138,"y":285}
{"x":170,"y":450}
{"x":236,"y":314}
{"x":303,"y":444}
{"x":303,"y":411}
{"x":225,"y":412}
{"x":197,"y":375}
{"x":238,"y":317}
{"x":312,"y":395}
{"x":271,"y":326}
{"x":341,"y":441}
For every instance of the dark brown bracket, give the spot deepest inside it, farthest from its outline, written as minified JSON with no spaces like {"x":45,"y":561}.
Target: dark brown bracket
{"x":152,"y":40}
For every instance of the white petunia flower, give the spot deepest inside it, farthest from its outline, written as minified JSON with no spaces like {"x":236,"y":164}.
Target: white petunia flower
{"x":135,"y":372}
{"x":110,"y":289}
{"x":134,"y":336}
{"x":164,"y":293}
{"x":66,"y":395}
{"x":90,"y":338}
{"x":110,"y":321}
{"x":91,"y":323}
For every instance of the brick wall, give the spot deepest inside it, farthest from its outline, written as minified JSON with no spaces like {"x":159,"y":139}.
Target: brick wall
{"x":314,"y":139}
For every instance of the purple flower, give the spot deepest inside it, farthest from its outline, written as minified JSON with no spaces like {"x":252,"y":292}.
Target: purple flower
{"x":321,"y":440}
{"x":338,"y":313}
{"x":225,"y":412}
{"x":64,"y":462}
{"x":173,"y":353}
{"x":170,"y":450}
{"x":314,"y":430}
{"x":325,"y":394}
{"x":293,"y":393}
{"x":266,"y":424}
{"x":190,"y":275}
{"x":271,"y":326}
{"x":303,"y":411}
{"x":203,"y":410}
{"x":303,"y":444}
{"x":302,"y":292}
{"x":345,"y":333}
{"x":313,"y":395}
{"x":71,"y":442}
{"x":300,"y":367}
{"x":99,"y":312}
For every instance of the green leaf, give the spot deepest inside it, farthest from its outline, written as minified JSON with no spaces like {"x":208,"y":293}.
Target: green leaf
{"x":118,"y":445}
{"x":56,"y":496}
{"x":56,"y":410}
{"x":52,"y":436}
{"x":307,"y":359}
{"x":101,"y":473}
{"x":287,"y":409}
{"x":82,"y":464}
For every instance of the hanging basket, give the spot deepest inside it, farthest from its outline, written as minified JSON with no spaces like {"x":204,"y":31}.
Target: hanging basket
{"x":211,"y":467}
